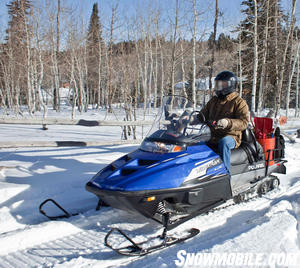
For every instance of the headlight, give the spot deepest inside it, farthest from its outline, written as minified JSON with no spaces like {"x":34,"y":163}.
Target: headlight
{"x":160,"y":147}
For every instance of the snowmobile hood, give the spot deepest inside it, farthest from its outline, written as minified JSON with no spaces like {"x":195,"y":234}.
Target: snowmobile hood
{"x":140,"y":170}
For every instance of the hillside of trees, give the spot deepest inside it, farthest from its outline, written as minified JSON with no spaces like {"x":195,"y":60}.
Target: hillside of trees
{"x":47,"y":46}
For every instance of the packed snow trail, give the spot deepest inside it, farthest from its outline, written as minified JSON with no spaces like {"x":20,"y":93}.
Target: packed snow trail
{"x":81,"y":238}
{"x":28,"y":239}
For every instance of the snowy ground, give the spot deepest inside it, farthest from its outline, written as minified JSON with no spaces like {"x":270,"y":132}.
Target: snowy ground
{"x":30,"y":175}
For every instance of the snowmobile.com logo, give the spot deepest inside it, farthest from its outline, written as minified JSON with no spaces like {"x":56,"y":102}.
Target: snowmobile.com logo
{"x":185,"y":259}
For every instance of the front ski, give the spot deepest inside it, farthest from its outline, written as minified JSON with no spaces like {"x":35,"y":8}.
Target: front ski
{"x":139,"y":249}
{"x":65,"y":214}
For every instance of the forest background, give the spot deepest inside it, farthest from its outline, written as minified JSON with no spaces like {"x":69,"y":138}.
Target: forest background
{"x":132,"y":52}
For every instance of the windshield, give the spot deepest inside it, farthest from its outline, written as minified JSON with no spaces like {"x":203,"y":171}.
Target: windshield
{"x":177,"y":122}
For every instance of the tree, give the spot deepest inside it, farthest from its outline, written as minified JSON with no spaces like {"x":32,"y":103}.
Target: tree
{"x":224,"y":42}
{"x":195,"y":19}
{"x":95,"y":48}
{"x":110,"y":57}
{"x":284,"y":58}
{"x":16,"y":51}
{"x":255,"y":58}
{"x":261,"y":35}
{"x":264,"y":58}
{"x":174,"y":46}
{"x":297,"y":88}
{"x":56,"y":103}
{"x":250,"y":29}
{"x":211,"y":67}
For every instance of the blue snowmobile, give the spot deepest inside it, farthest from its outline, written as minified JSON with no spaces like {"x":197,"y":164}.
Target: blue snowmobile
{"x":176,"y":174}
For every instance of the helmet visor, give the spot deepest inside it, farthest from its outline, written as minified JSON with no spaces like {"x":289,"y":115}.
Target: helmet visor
{"x":221,"y":84}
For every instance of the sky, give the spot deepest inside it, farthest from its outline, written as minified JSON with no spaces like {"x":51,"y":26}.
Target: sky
{"x":83,"y":8}
{"x":230,"y":8}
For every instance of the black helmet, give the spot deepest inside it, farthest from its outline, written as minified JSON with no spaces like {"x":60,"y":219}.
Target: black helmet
{"x":225,"y":83}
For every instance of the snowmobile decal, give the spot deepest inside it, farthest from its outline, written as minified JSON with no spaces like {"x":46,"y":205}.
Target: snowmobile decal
{"x":257,"y":166}
{"x":202,"y":170}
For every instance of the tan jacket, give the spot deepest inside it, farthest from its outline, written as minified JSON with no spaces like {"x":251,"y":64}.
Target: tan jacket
{"x":234,"y":108}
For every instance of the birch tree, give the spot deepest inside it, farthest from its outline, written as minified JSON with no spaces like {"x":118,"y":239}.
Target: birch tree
{"x":297,"y":88}
{"x":240,"y":65}
{"x":213,"y":49}
{"x":174,"y":43}
{"x":195,"y":19}
{"x":264,"y":58}
{"x":293,"y":62}
{"x":110,"y":57}
{"x":155,"y":89}
{"x":284,"y":58}
{"x":38,"y":67}
{"x":255,"y":59}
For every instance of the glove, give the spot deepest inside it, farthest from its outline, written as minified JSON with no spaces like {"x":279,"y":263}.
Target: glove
{"x":182,"y":123}
{"x":223,"y":123}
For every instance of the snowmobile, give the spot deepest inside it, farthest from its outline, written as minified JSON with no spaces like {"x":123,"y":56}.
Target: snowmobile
{"x":176,"y":174}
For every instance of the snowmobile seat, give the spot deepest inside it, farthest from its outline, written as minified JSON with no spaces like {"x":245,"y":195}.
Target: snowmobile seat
{"x":247,"y":136}
{"x":249,"y":150}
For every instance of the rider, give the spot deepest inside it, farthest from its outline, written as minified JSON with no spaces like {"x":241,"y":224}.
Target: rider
{"x":230,"y":114}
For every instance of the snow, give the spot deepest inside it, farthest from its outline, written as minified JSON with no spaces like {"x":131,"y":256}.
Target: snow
{"x":28,"y":176}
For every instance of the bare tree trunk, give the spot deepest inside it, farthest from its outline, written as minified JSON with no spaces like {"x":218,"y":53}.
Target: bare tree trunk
{"x":7,"y":92}
{"x":28,"y":57}
{"x":140,"y":71}
{"x":194,"y":51}
{"x":80,"y":73}
{"x":263,"y":65}
{"x":173,"y":57}
{"x":162,"y":86}
{"x":183,"y":69}
{"x":145,"y":89}
{"x":40,"y":75}
{"x":55,"y":60}
{"x":297,"y":88}
{"x":150,"y":71}
{"x":240,"y":65}
{"x":3,"y":97}
{"x":85,"y":80}
{"x":57,"y":27}
{"x":290,"y":80}
{"x":73,"y":83}
{"x":99,"y":75}
{"x":156,"y":63}
{"x":276,"y":55}
{"x":110,"y":70}
{"x":105,"y":93}
{"x":213,"y":49}
{"x":284,"y":58}
{"x":4,"y":92}
{"x":13,"y":79}
{"x":255,"y":60}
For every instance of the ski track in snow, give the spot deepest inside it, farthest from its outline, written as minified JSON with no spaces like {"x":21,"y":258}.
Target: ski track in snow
{"x":28,"y":239}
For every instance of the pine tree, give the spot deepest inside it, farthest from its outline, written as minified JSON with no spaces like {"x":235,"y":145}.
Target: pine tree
{"x":17,"y":11}
{"x":95,"y":46}
{"x":224,"y":43}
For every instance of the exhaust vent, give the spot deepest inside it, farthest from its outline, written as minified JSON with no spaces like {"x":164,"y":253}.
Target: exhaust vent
{"x":127,"y":171}
{"x":147,"y":162}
